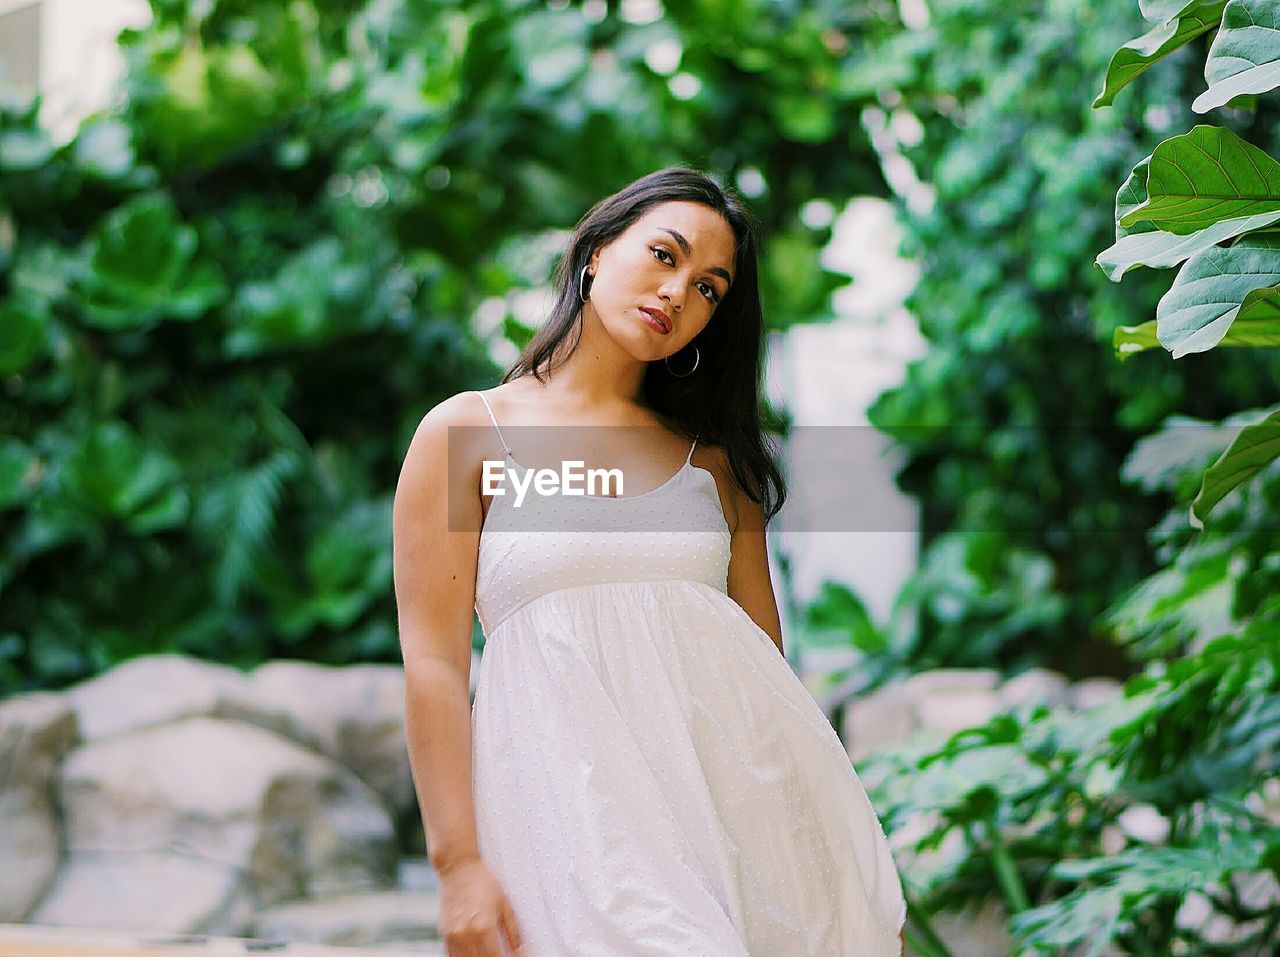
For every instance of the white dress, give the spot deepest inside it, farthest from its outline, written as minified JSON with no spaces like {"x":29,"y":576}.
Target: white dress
{"x":651,"y":778}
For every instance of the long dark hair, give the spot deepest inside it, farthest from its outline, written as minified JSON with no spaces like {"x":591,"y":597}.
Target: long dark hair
{"x":720,"y":403}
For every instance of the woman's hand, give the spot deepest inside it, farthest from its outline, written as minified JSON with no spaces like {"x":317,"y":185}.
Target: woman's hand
{"x":902,"y":939}
{"x":474,"y":912}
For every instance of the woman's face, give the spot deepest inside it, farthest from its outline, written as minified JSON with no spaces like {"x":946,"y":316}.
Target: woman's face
{"x":677,"y":259}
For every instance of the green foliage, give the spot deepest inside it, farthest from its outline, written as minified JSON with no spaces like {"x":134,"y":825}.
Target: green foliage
{"x":1032,"y":809}
{"x":1016,"y":421}
{"x":1149,"y":825}
{"x":1192,"y":194}
{"x":228,"y":301}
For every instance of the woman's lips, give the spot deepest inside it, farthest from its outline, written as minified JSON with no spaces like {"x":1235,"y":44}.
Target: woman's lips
{"x":654,"y":321}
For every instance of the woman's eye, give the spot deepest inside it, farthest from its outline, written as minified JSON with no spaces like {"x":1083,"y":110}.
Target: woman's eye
{"x":711,"y":291}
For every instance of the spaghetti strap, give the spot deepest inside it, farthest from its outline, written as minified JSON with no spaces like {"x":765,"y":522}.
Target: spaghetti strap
{"x":689,"y":458}
{"x":501,"y":438}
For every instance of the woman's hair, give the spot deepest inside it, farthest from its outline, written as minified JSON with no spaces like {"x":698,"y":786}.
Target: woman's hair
{"x":720,"y":403}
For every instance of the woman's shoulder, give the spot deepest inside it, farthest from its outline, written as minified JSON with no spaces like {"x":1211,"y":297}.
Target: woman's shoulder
{"x":467,"y":407}
{"x":462,"y":408}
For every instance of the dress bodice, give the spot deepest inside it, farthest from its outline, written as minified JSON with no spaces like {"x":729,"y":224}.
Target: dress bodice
{"x":675,"y":532}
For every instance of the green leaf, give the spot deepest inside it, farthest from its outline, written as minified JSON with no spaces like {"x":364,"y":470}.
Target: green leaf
{"x":1132,"y":194}
{"x":1141,"y":243}
{"x":1205,"y":298}
{"x":115,"y":474}
{"x":517,"y":332}
{"x":1245,"y":56}
{"x":246,"y":504}
{"x":1203,"y":177}
{"x":1157,"y":43}
{"x":1243,"y":333}
{"x":103,"y":146}
{"x":298,"y":304}
{"x":1256,"y":447}
{"x":1159,"y":250}
{"x":23,"y":335}
{"x":1261,"y":307}
{"x":25,"y":149}
{"x":551,"y":47}
{"x":1158,"y":11}
{"x":19,"y":472}
{"x":1125,"y":883}
{"x":802,"y":117}
{"x":145,"y":268}
{"x":1182,"y":445}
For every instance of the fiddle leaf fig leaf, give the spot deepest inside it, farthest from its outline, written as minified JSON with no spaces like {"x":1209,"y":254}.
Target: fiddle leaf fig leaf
{"x":1256,"y":447}
{"x":1145,"y":51}
{"x":1210,"y":290}
{"x":1204,"y":177}
{"x":1245,"y":56}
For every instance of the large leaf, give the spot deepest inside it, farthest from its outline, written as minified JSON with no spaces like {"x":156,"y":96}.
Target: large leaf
{"x":300,"y":304}
{"x":1245,"y":56}
{"x":1117,"y":885}
{"x":550,"y":47}
{"x":1159,"y":250}
{"x":1132,"y":194}
{"x":115,"y":474}
{"x":145,"y":267}
{"x":1256,"y":447}
{"x":1203,"y":177}
{"x":1142,"y":244}
{"x":1157,"y":43}
{"x":20,"y":471}
{"x":1159,"y":11}
{"x":1243,"y":333}
{"x":24,"y":334}
{"x":25,"y":149}
{"x":1209,"y":291}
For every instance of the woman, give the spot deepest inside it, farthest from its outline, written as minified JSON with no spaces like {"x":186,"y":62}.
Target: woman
{"x":641,"y":773}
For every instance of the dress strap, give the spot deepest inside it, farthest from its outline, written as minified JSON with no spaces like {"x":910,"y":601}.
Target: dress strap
{"x":501,"y":438}
{"x":688,"y":458}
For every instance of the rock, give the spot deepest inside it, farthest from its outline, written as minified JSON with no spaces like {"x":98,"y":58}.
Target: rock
{"x":34,"y":939}
{"x":417,"y":874}
{"x":980,"y":934}
{"x":1032,"y":687}
{"x":1090,"y":692}
{"x":947,"y":711}
{"x":353,"y":714}
{"x":357,"y":920}
{"x":948,"y":680}
{"x":228,"y":795}
{"x":881,"y":719}
{"x":35,"y":731}
{"x":154,"y":892}
{"x":154,"y":689}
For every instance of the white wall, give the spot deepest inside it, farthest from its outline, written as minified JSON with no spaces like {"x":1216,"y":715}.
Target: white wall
{"x":79,"y":63}
{"x":828,"y":375}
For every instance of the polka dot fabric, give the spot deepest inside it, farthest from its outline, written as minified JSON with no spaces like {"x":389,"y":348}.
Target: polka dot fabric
{"x":651,"y":778}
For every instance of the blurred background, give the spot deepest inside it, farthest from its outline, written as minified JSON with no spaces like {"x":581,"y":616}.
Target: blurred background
{"x":245,"y":246}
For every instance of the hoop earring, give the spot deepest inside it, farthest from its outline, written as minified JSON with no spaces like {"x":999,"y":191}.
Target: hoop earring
{"x":697,"y":357}
{"x":581,"y":279}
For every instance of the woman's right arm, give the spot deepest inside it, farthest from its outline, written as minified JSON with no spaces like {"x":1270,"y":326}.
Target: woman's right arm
{"x":436,"y":522}
{"x":434,"y":570}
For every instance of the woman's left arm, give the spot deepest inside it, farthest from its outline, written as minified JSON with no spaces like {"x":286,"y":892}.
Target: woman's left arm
{"x":749,"y":582}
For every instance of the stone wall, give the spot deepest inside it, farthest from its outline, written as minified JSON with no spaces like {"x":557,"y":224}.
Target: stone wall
{"x":176,"y":795}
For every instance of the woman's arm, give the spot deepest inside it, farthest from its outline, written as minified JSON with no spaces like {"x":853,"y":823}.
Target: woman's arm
{"x":750,"y":584}
{"x":435,"y":574}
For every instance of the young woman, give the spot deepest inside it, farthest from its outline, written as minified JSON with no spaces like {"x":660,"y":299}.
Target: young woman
{"x":641,"y":773}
